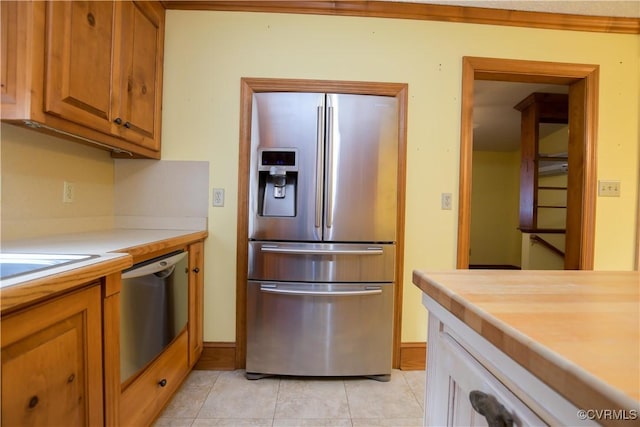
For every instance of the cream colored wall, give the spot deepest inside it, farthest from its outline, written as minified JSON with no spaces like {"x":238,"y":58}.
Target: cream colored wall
{"x":206,"y":54}
{"x":495,"y":200}
{"x":34,"y":168}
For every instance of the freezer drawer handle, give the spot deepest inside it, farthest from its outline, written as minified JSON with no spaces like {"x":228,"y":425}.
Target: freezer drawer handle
{"x":271,"y":290}
{"x":277,"y":250}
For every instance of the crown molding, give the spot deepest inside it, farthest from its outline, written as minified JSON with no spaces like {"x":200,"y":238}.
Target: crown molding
{"x":421,"y":11}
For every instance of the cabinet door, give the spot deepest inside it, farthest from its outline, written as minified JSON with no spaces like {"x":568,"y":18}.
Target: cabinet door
{"x":52,"y":363}
{"x":458,"y":375}
{"x":10,"y":51}
{"x":139,"y":73}
{"x":196,"y":301}
{"x":79,"y":50}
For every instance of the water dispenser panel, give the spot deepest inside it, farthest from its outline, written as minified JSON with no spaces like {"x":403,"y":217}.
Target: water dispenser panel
{"x":278,"y":176}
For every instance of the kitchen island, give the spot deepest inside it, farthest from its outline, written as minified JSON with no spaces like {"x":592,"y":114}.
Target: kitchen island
{"x":551,"y":347}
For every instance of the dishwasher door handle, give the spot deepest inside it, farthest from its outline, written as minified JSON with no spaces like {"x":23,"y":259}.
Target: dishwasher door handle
{"x":274,"y":290}
{"x":155,"y":266}
{"x":372,"y":250}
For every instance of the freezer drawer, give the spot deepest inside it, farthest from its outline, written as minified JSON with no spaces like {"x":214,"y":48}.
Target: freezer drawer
{"x":321,"y":262}
{"x":312,"y":329}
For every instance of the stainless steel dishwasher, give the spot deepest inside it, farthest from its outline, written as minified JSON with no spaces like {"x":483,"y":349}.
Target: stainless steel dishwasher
{"x":153,"y":309}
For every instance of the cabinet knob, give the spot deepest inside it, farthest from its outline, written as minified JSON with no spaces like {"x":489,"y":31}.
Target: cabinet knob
{"x":163,"y":382}
{"x":127,"y":125}
{"x":33,"y":402}
{"x":196,"y":270}
{"x":489,"y":407}
{"x":118,"y":121}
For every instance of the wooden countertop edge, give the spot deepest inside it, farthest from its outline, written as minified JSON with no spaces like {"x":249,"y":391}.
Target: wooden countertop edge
{"x":577,"y":385}
{"x":144,"y":251}
{"x":18,"y":296}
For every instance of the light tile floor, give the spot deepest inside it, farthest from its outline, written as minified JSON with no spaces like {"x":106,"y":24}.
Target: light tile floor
{"x":227,"y":398}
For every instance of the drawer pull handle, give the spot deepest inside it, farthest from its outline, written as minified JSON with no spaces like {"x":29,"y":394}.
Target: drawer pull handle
{"x":196,"y":270}
{"x":33,"y":402}
{"x":489,"y":407}
{"x":162,"y":383}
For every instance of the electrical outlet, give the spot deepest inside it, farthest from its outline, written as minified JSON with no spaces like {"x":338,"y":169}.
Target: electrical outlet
{"x":218,"y":197}
{"x":68,"y":192}
{"x":445,"y":201}
{"x":609,"y":188}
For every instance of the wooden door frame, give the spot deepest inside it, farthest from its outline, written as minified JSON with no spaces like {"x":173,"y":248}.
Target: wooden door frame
{"x":249,"y":86}
{"x":583,"y":80}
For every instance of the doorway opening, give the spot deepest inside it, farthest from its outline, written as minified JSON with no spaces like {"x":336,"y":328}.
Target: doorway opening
{"x":582,"y":83}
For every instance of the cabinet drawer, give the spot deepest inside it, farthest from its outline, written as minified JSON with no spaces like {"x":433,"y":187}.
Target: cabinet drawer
{"x":144,"y":398}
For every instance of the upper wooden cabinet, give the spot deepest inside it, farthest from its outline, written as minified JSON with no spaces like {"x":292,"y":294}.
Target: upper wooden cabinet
{"x":89,"y":69}
{"x":138,"y":98}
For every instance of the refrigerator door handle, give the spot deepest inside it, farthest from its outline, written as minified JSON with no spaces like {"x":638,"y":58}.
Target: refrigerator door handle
{"x":330,"y":171}
{"x":319,"y":166}
{"x":272,"y":289}
{"x":372,"y":250}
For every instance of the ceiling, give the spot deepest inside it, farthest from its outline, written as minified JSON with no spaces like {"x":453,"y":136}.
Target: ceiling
{"x":496,"y":124}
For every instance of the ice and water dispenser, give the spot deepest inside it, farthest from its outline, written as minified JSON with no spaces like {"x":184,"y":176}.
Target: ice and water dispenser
{"x":277,"y":181}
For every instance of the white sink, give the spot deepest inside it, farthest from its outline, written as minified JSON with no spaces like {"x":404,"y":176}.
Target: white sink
{"x":14,"y":264}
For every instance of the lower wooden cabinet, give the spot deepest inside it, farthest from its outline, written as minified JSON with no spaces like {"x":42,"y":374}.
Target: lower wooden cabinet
{"x":196,"y":301}
{"x":144,"y":397}
{"x":52,"y":362}
{"x":61,"y":357}
{"x":142,"y":400}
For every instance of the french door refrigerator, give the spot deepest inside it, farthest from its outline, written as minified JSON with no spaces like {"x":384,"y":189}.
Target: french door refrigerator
{"x":322,"y":233}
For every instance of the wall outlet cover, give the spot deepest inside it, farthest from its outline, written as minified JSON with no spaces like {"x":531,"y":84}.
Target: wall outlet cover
{"x":68,"y":192}
{"x":218,"y":197}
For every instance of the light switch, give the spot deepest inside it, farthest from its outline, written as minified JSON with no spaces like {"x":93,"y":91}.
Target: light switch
{"x":609,"y":188}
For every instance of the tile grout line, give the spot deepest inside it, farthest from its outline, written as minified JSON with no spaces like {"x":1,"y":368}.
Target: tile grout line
{"x":275,"y":405}
{"x":206,"y":397}
{"x":346,"y":395}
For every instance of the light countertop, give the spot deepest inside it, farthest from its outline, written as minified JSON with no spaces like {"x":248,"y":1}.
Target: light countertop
{"x":103,"y":241}
{"x":114,"y":250}
{"x":577,"y":331}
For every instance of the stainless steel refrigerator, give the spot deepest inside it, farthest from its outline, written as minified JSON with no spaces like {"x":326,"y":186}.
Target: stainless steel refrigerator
{"x":322,"y":233}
